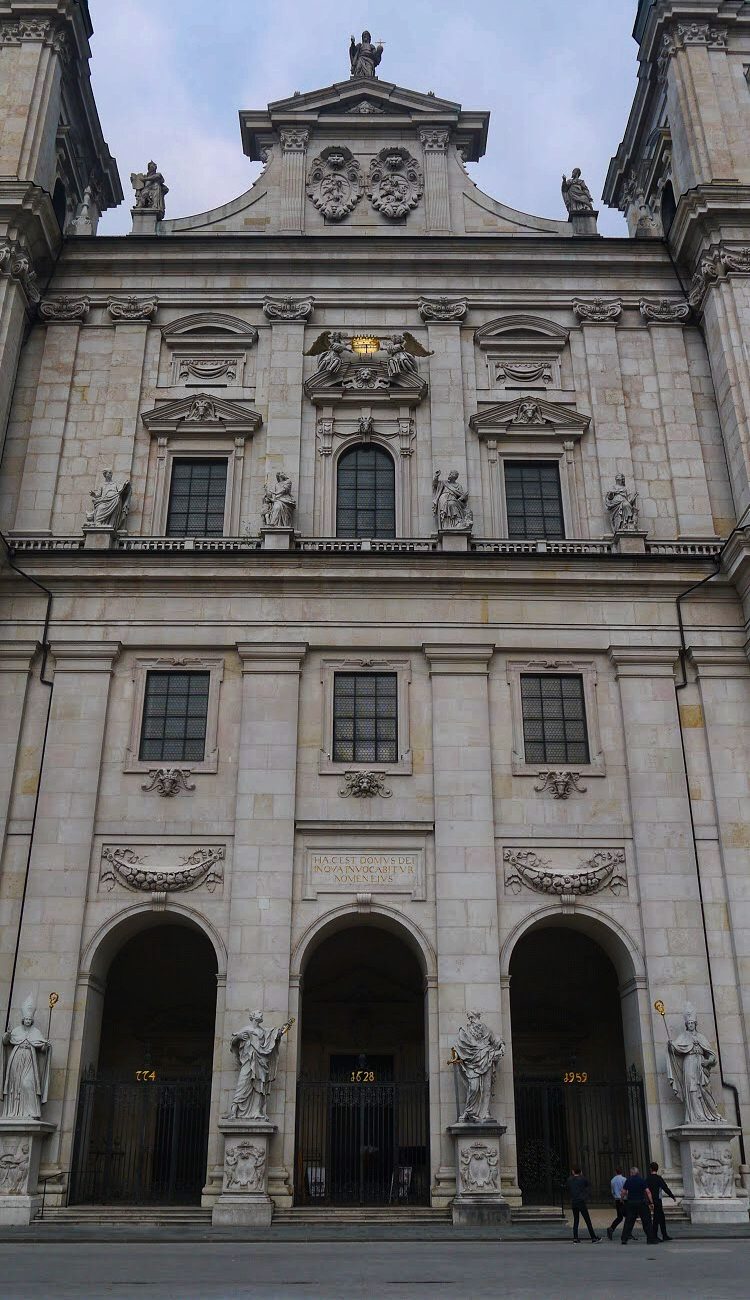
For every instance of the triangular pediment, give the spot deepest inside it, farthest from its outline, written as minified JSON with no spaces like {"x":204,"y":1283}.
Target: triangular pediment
{"x":202,"y":413}
{"x":529,"y":415}
{"x":343,"y":95}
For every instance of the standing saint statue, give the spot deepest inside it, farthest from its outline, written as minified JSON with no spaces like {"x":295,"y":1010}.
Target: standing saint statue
{"x":690,"y":1060}
{"x":110,"y":503}
{"x":576,"y":193}
{"x":622,"y":506}
{"x":450,"y":502}
{"x":279,"y":504}
{"x":26,"y":1063}
{"x":256,"y":1051}
{"x":476,"y":1054}
{"x":364,"y":57}
{"x":150,"y":189}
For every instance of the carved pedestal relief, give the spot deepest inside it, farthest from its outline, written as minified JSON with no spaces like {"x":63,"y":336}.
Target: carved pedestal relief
{"x":244,"y":1167}
{"x":479,"y":1167}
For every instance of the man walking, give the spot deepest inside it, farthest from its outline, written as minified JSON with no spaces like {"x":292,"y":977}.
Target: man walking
{"x":616,"y":1186}
{"x":579,"y":1189}
{"x":637,"y":1200}
{"x":656,"y":1185}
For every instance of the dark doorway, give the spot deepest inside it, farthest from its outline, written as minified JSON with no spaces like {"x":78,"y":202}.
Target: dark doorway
{"x":142,"y":1129}
{"x":575,"y":1100}
{"x":362,"y":1098}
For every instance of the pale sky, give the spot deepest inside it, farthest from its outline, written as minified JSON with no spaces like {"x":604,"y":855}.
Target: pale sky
{"x":557,"y":75}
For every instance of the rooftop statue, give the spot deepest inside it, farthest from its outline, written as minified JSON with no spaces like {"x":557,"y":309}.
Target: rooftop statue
{"x":576,"y":193}
{"x":150,"y":189}
{"x":364,"y":57}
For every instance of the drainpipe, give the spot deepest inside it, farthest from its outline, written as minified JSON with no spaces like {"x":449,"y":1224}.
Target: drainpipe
{"x":680,"y":686}
{"x":49,"y":684}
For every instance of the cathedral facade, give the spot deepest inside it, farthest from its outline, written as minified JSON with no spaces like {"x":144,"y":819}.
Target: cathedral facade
{"x":375,"y":595}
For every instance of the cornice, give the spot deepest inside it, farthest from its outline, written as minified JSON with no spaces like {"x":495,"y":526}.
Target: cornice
{"x":278,"y":658}
{"x":85,"y":656}
{"x":463,"y":660}
{"x":643,"y":661}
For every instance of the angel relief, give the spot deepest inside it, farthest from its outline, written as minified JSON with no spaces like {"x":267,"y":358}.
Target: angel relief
{"x":388,"y":363}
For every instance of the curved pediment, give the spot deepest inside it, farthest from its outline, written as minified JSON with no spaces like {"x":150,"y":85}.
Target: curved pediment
{"x":519,"y":329}
{"x":209,"y":326}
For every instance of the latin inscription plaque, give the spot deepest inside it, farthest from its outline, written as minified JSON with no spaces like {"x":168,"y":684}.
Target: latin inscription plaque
{"x":369,"y":871}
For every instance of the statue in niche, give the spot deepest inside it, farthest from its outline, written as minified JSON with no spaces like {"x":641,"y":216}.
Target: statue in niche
{"x":576,"y":193}
{"x":364,"y":57}
{"x":278,"y":503}
{"x":622,"y":506}
{"x":402,"y":351}
{"x":450,"y":502}
{"x":110,"y":503}
{"x":332,"y":347}
{"x":26,"y":1065}
{"x":475,"y":1055}
{"x":256,"y":1051}
{"x":150,"y":189}
{"x":690,"y":1060}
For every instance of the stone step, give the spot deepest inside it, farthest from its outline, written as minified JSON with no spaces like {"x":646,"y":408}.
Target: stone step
{"x":366,"y":1214}
{"x":146,"y":1216}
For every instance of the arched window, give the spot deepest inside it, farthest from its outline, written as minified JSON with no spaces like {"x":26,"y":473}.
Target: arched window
{"x":366,"y":494}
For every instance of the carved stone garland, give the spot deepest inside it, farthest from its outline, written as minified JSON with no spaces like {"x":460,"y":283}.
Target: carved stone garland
{"x":603,"y":870}
{"x":197,"y":869}
{"x":335,"y":184}
{"x":395,"y":183}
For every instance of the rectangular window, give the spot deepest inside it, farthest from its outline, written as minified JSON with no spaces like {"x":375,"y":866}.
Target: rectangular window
{"x":365,"y":718}
{"x":533,"y":499}
{"x":197,"y":498}
{"x":554,"y":718}
{"x":175,"y":710}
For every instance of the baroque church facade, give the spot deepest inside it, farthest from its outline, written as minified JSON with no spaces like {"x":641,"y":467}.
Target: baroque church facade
{"x":376,"y":578}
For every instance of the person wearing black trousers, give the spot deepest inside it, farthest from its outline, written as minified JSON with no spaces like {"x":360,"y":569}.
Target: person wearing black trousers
{"x":579,"y":1189}
{"x":656,"y":1185}
{"x":637,"y":1200}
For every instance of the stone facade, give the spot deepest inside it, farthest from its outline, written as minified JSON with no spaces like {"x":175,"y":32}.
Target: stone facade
{"x":533,"y":341}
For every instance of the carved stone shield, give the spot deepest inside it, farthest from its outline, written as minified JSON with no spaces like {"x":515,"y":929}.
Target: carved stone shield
{"x":395,"y":184}
{"x":335,"y":184}
{"x":479,"y":1167}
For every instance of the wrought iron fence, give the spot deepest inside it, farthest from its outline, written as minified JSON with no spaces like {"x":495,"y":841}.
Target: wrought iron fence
{"x":141,"y":1143}
{"x":362,"y":1143}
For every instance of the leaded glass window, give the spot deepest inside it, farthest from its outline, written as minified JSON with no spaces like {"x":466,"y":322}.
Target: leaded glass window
{"x":366,"y":493}
{"x":365,"y":718}
{"x":554,"y":718}
{"x":533,"y":499}
{"x":175,"y":710}
{"x":197,"y":498}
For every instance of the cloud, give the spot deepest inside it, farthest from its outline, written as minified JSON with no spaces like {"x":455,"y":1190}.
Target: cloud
{"x":169,"y":80}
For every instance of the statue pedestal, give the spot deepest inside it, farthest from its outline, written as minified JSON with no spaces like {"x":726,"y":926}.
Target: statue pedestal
{"x":277,"y":539}
{"x":479,"y":1199}
{"x":584,"y":223}
{"x":145,"y":221}
{"x":709,"y":1195}
{"x":244,"y":1196}
{"x":20,"y":1148}
{"x":630,"y":543}
{"x":96,"y":538}
{"x":454,"y":539}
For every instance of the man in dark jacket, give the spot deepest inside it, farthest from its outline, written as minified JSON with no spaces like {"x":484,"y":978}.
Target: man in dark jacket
{"x":579,"y":1189}
{"x":637,"y":1200}
{"x":656,"y":1185}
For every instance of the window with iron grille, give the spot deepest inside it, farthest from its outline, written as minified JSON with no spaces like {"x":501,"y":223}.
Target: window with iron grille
{"x":554,"y":718}
{"x":365,"y":718}
{"x":366,"y":493}
{"x":197,"y":498}
{"x":175,"y":710}
{"x":533,"y":499}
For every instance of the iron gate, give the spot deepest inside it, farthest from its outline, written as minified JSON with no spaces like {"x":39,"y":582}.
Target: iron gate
{"x":141,"y":1143}
{"x":597,"y":1125}
{"x":362,"y":1143}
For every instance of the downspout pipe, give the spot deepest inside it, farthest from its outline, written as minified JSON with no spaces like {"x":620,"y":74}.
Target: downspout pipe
{"x":45,"y":681}
{"x":680,"y":686}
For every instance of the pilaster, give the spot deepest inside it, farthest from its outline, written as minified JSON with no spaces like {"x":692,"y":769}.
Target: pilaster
{"x":726,"y":318}
{"x":447,"y":416}
{"x":15,"y":665}
{"x":284,"y":427}
{"x":680,"y":422}
{"x":293,"y":154}
{"x":124,"y":395}
{"x":262,"y":882}
{"x":36,"y":498}
{"x":435,"y":143}
{"x":465,"y":870}
{"x":608,"y":407}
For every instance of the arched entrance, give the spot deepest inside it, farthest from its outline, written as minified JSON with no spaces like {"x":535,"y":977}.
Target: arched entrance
{"x":362,"y":1133}
{"x":578,"y":1095}
{"x":142,"y":1124}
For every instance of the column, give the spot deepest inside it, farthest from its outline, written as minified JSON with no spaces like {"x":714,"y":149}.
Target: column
{"x":680,"y":422}
{"x":261,"y":903}
{"x":607,"y":398}
{"x":436,"y":198}
{"x":61,"y":852}
{"x":42,"y":464}
{"x":468,"y":953}
{"x":667,"y":885}
{"x":293,"y":149}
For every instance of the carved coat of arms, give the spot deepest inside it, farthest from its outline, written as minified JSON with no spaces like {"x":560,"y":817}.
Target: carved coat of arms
{"x":245,"y":1166}
{"x":335,"y":183}
{"x":395,"y":184}
{"x":479,"y":1167}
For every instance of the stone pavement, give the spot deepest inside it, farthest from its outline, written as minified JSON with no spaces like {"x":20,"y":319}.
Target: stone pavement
{"x":276,"y":1270}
